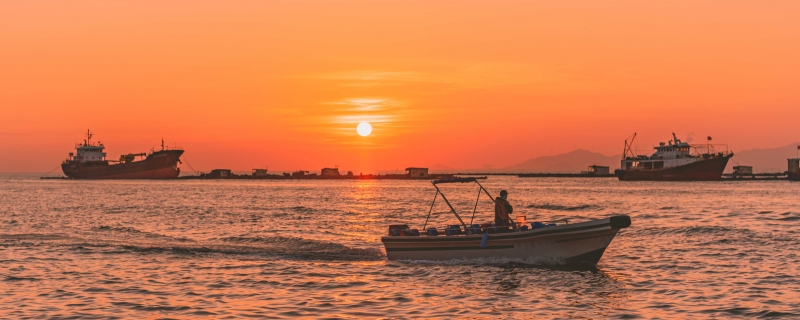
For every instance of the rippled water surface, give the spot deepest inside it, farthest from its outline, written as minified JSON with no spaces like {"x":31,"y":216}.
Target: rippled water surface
{"x":282,"y":249}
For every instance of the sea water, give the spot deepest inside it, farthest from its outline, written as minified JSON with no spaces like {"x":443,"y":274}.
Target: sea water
{"x":304,"y":248}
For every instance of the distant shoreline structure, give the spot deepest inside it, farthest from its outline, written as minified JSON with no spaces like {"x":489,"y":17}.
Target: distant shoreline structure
{"x":411,"y":173}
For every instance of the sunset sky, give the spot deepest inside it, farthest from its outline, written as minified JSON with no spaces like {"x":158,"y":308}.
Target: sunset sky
{"x":465,"y":84}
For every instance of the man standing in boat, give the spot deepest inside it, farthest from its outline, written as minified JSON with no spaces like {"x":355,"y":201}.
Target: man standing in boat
{"x":502,"y":210}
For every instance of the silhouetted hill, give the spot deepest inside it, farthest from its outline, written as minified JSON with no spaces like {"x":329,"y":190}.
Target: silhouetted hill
{"x":764,"y":160}
{"x":578,"y":160}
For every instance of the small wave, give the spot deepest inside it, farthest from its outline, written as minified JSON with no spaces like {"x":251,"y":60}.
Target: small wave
{"x":695,"y":230}
{"x":32,"y":237}
{"x":556,"y":207}
{"x":747,"y":312}
{"x":303,"y":209}
{"x":765,"y":212}
{"x":121,"y":229}
{"x":790,"y":218}
{"x":13,"y":278}
{"x":709,"y":230}
{"x":714,"y":234}
{"x":137,"y":231}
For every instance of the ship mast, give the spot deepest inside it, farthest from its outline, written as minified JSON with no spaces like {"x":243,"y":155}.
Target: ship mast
{"x":88,"y":141}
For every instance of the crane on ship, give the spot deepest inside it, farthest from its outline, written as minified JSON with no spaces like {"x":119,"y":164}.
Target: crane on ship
{"x":627,"y":150}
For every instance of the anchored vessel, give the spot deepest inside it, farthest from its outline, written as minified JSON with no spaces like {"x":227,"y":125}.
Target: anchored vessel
{"x":90,"y":163}
{"x":540,"y":244}
{"x":674,"y":161}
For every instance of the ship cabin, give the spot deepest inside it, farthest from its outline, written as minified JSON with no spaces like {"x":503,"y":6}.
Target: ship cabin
{"x":417,"y":172}
{"x":220,"y":173}
{"x":598,"y":170}
{"x":666,"y":156}
{"x":742,"y":170}
{"x":87,"y":153}
{"x":794,"y":165}
{"x":330,"y":172}
{"x":259,"y":172}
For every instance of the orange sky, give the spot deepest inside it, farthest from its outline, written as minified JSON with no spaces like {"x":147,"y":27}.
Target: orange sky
{"x":460,"y":83}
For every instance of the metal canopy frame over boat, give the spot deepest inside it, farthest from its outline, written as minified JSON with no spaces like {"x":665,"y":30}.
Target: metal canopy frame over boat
{"x":453,"y":210}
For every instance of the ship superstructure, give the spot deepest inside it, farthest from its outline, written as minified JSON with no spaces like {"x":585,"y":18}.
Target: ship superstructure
{"x":90,"y":162}
{"x":674,"y":161}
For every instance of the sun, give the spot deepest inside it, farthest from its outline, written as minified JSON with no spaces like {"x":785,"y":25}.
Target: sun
{"x":364,"y":129}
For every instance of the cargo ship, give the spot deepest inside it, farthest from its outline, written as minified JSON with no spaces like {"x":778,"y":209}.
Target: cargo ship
{"x":90,"y":163}
{"x":673,"y":161}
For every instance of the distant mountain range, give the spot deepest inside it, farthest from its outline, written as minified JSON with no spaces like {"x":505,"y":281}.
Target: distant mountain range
{"x":578,"y":160}
{"x":762,"y":160}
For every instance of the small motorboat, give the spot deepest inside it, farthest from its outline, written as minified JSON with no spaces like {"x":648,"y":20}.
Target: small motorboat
{"x":539,"y":243}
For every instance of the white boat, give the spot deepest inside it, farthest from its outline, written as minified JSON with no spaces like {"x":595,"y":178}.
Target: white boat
{"x":582,"y":242}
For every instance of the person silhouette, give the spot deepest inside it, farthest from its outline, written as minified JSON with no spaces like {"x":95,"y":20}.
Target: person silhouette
{"x":502,"y":210}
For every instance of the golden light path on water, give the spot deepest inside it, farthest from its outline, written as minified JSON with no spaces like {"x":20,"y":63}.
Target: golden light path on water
{"x":303,"y":248}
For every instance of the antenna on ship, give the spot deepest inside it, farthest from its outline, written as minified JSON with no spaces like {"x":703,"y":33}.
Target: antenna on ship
{"x":89,"y":137}
{"x":162,"y":143}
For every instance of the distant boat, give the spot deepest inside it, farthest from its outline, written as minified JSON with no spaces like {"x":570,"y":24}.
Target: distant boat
{"x":674,"y":161}
{"x":90,"y":163}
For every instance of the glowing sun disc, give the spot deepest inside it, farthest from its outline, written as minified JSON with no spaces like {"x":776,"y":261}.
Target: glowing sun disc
{"x":364,"y":129}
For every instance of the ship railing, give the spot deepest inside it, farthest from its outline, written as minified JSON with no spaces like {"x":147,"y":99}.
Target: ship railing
{"x":704,"y":150}
{"x":563,"y":220}
{"x":516,"y":226}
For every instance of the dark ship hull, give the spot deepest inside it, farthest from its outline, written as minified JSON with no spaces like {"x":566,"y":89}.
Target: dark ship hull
{"x":793,"y":176}
{"x":158,"y":165}
{"x":703,"y":170}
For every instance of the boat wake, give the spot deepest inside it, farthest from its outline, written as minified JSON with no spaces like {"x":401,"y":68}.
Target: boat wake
{"x":150,"y":243}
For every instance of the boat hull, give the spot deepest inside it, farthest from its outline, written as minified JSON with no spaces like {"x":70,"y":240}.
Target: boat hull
{"x":158,"y":165}
{"x":582,"y":243}
{"x":793,"y":176}
{"x":703,"y":170}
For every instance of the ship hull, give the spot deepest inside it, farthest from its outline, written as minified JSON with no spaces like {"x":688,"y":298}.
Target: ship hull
{"x":158,"y":165}
{"x":793,"y":176}
{"x":703,"y":170}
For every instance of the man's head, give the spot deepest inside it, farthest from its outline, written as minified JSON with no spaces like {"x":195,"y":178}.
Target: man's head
{"x":503,"y":194}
